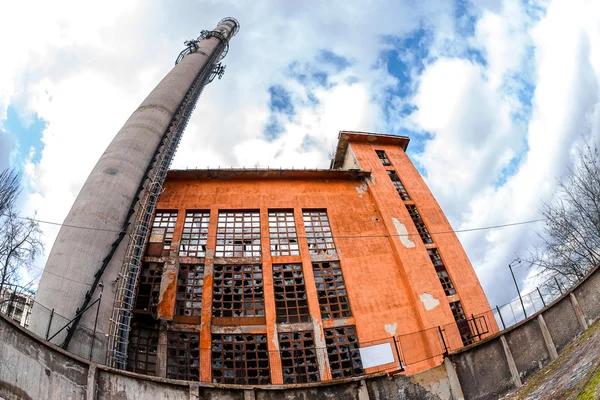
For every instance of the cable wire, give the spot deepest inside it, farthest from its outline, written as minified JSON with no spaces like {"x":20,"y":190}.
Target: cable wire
{"x":305,"y":237}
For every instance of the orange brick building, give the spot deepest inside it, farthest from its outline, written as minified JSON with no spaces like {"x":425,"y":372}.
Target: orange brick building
{"x":256,"y":276}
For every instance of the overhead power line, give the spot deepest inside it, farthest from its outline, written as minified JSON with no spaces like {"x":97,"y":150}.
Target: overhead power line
{"x":335,"y":237}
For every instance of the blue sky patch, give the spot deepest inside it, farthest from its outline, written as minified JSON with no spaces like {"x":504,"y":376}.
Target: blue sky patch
{"x":26,"y":133}
{"x":281,"y":100}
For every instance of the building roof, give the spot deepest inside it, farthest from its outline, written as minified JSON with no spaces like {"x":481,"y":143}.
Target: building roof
{"x":350,"y":136}
{"x":265,"y":174}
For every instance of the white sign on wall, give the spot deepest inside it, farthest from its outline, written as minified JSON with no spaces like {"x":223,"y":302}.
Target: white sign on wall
{"x":379,"y":354}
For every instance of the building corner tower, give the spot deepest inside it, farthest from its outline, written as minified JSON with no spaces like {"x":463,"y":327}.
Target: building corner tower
{"x":99,"y":247}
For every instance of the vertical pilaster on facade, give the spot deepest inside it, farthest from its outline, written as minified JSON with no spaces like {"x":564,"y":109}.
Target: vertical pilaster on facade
{"x":455,"y":388}
{"x":92,"y":376}
{"x":512,"y":366}
{"x":194,"y":391}
{"x":578,"y":312}
{"x":312,"y":298}
{"x":363,"y":392}
{"x":207,"y":295}
{"x":168,"y":282}
{"x":269,"y":298}
{"x":161,"y":350}
{"x":547,"y":338}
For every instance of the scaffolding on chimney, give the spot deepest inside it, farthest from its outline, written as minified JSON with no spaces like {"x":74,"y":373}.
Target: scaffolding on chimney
{"x":120,"y":323}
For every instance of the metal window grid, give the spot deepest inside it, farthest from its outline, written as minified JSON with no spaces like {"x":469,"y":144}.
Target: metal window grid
{"x":141,"y":353}
{"x":441,"y":271}
{"x":331,"y":290}
{"x":462,"y":323}
{"x":282,"y":234}
{"x":149,"y":287}
{"x":419,"y":224}
{"x":195,"y":234}
{"x":298,"y":357}
{"x":383,"y":158}
{"x":238,"y":291}
{"x":241,"y":359}
{"x":188,"y":302}
{"x":343,"y":353}
{"x":291,"y":302}
{"x":183,"y":355}
{"x":398,"y":185}
{"x":238,"y":234}
{"x":165,"y":221}
{"x":318,"y":232}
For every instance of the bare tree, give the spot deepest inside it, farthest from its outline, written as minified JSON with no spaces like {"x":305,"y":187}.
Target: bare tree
{"x":570,"y":239}
{"x":20,"y":238}
{"x":10,"y":188}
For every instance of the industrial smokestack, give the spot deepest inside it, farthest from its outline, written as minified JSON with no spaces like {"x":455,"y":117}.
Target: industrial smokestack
{"x":105,"y":232}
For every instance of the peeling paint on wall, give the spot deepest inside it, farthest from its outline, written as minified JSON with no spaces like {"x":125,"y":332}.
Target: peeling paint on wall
{"x":362,"y":188}
{"x":429,"y":302}
{"x":403,"y":232}
{"x":391,"y":328}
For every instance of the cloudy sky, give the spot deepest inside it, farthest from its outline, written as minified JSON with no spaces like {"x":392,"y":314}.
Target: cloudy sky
{"x":495,"y":96}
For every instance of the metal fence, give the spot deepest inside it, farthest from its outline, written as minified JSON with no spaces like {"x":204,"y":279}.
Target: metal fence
{"x":18,"y":306}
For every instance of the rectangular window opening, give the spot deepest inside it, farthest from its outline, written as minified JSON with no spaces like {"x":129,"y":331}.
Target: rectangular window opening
{"x":318,"y":232}
{"x":462,"y":323}
{"x":291,"y":302}
{"x":183,"y":355}
{"x":383,"y":158}
{"x":419,"y":224}
{"x":331,"y":290}
{"x":298,"y":357}
{"x":282,"y":234}
{"x":441,"y":271}
{"x":241,"y":359}
{"x":190,"y":281}
{"x":238,"y":291}
{"x":142,"y":349}
{"x":238,"y":234}
{"x":163,"y":228}
{"x":148,"y":291}
{"x":343,"y":352}
{"x":398,"y":185}
{"x":195,"y":234}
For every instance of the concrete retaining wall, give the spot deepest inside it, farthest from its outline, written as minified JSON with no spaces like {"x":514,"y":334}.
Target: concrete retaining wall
{"x":492,"y":367}
{"x":31,"y":368}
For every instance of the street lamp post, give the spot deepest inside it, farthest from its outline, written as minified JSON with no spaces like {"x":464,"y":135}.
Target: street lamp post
{"x":518,"y":261}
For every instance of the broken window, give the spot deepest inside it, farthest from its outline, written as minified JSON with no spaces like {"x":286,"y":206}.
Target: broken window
{"x":298,"y":357}
{"x":238,"y":291}
{"x":241,"y":359}
{"x":149,"y":287}
{"x":419,"y":224}
{"x":333,"y":299}
{"x":188,"y":302}
{"x":163,"y":228}
{"x":442,"y":273}
{"x":195,"y":234}
{"x":183,"y":355}
{"x":142,"y":348}
{"x":462,"y":323}
{"x":238,"y":234}
{"x":383,"y":158}
{"x":343,"y":353}
{"x":398,"y":185}
{"x":291,"y":304}
{"x":282,"y":234}
{"x":318,"y":232}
